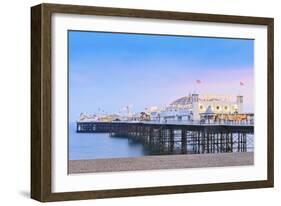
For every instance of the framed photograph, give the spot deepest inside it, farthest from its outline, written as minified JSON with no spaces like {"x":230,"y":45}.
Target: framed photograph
{"x":130,"y":102}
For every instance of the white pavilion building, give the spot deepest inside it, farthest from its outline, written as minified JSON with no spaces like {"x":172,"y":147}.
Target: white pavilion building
{"x":194,"y":106}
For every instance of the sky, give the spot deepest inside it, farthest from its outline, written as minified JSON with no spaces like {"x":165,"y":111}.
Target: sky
{"x":109,"y":71}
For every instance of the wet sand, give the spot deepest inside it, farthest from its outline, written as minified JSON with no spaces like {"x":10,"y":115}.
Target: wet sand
{"x":161,"y":162}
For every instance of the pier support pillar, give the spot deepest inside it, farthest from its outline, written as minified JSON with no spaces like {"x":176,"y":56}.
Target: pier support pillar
{"x":183,"y":141}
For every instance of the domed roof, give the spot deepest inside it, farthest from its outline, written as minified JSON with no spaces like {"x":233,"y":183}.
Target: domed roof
{"x":182,"y":101}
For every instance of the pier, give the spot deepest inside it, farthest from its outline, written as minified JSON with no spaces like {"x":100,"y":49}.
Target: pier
{"x":172,"y":138}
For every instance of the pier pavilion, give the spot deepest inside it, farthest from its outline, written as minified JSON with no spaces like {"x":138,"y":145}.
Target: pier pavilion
{"x":204,"y":108}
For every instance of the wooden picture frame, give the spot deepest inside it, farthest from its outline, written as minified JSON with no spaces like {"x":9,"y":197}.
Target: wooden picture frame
{"x":41,"y":98}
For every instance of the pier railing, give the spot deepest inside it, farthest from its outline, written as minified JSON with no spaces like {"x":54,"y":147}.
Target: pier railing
{"x":197,"y":122}
{"x":177,"y":122}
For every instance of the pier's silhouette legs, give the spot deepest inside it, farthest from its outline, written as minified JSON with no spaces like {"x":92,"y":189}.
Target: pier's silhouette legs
{"x":173,"y":139}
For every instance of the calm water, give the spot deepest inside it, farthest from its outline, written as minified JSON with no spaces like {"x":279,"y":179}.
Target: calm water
{"x":101,"y":145}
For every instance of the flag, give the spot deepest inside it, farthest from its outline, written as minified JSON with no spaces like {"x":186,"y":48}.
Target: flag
{"x":241,"y":83}
{"x":198,"y":81}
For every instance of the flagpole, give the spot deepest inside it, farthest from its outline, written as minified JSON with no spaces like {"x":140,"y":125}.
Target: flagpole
{"x":241,"y":83}
{"x":198,"y":82}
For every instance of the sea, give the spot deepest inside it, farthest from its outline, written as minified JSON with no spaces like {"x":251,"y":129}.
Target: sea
{"x":83,"y":146}
{"x":101,"y":146}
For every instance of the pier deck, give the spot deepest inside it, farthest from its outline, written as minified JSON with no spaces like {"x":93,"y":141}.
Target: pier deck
{"x":107,"y":127}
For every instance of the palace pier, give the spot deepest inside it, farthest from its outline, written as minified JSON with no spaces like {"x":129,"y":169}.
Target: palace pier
{"x":177,"y":138}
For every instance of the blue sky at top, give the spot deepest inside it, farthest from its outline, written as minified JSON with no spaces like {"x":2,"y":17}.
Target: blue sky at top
{"x":112,"y":70}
